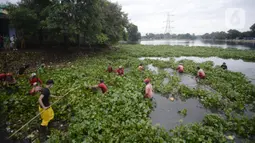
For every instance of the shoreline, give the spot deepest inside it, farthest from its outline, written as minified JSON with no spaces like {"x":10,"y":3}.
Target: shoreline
{"x":234,"y":40}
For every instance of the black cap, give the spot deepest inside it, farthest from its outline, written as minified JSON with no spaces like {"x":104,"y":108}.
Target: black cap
{"x":101,"y":81}
{"x":50,"y":81}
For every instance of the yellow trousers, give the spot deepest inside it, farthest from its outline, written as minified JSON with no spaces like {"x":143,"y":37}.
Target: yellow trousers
{"x":46,"y":115}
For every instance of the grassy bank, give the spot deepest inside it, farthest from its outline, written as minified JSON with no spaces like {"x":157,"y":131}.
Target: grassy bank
{"x":176,"y":51}
{"x":122,"y":114}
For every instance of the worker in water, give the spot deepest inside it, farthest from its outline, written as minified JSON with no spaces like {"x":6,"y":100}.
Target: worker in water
{"x":2,"y":78}
{"x":34,"y":79}
{"x":148,"y":89}
{"x":180,"y":68}
{"x":9,"y":82}
{"x":140,"y":67}
{"x":200,"y":74}
{"x":120,"y":71}
{"x":40,"y":70}
{"x":224,"y":66}
{"x":45,"y":109}
{"x":36,"y":89}
{"x":109,"y":68}
{"x":102,"y":86}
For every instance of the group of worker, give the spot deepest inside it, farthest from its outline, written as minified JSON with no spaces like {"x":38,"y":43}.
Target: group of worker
{"x":200,"y":72}
{"x":47,"y":113}
{"x":8,"y":80}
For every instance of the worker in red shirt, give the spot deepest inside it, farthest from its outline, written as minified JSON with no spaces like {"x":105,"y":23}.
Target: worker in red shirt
{"x":2,"y":76}
{"x":120,"y":71}
{"x":9,"y":82}
{"x":34,"y":79}
{"x":2,"y":79}
{"x":109,"y":68}
{"x":102,"y":86}
{"x":36,"y":89}
{"x":180,"y":68}
{"x":200,"y":74}
{"x":148,"y":89}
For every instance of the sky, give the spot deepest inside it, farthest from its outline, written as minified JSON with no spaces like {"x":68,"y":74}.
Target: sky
{"x":188,"y":16}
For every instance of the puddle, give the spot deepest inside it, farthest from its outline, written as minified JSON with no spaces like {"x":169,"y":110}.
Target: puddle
{"x":153,"y":69}
{"x":166,"y":112}
{"x":170,"y":71}
{"x":247,"y":68}
{"x":165,"y":81}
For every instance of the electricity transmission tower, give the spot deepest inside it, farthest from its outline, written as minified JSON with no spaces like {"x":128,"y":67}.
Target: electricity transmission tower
{"x":168,"y":26}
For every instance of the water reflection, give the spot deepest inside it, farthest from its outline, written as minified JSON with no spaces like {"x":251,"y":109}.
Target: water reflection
{"x":153,"y":69}
{"x":166,"y":112}
{"x":190,"y":43}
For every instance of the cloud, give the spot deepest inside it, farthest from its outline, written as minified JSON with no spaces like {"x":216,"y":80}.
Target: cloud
{"x":190,"y":16}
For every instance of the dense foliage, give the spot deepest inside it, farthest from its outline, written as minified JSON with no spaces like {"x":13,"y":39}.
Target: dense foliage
{"x":122,"y":114}
{"x":69,"y":21}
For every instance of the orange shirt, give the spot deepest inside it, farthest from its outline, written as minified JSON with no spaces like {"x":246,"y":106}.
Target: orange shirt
{"x":140,"y":68}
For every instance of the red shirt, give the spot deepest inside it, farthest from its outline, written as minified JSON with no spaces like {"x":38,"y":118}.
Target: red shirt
{"x":120,"y":71}
{"x":109,"y":69}
{"x":35,"y":79}
{"x":180,"y":68}
{"x":2,"y":76}
{"x":103,"y":87}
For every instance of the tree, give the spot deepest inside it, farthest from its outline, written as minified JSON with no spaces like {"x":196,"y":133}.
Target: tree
{"x":96,"y":21}
{"x":133,"y":34}
{"x":253,"y":28}
{"x":233,"y":34}
{"x":23,"y":19}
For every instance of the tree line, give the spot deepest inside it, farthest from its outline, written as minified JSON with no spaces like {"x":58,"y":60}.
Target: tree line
{"x":231,"y":34}
{"x":151,"y":36}
{"x":76,"y":22}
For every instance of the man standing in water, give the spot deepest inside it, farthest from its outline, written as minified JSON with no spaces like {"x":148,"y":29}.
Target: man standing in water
{"x":140,"y":67}
{"x":180,"y":68}
{"x":47,"y":113}
{"x":102,"y":86}
{"x":224,"y":66}
{"x":148,"y":89}
{"x":200,"y":74}
{"x":109,"y":68}
{"x":120,"y":71}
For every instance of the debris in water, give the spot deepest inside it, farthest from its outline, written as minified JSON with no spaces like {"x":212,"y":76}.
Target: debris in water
{"x":230,"y":137}
{"x":171,"y":98}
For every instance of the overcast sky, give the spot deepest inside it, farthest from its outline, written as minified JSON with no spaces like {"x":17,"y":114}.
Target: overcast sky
{"x":189,"y":16}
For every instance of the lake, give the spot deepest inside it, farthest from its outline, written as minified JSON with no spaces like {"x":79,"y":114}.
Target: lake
{"x":190,"y":43}
{"x":247,"y":68}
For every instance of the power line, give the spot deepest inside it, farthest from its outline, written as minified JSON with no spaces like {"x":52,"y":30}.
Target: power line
{"x":168,"y":26}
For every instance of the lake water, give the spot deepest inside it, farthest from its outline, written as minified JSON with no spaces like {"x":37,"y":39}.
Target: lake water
{"x":247,"y":68}
{"x":166,"y":112}
{"x":190,"y":43}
